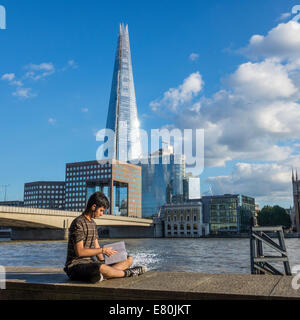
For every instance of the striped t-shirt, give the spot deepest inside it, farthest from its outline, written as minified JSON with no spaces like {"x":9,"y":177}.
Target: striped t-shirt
{"x":81,"y":229}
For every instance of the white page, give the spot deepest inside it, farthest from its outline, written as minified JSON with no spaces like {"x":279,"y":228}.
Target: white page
{"x":121,"y":255}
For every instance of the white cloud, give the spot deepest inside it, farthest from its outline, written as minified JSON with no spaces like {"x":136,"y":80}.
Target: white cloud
{"x":39,"y":71}
{"x":255,"y":116}
{"x":265,"y":80}
{"x":282,"y":42}
{"x":85,"y":110}
{"x":34,"y":72}
{"x":23,"y":93}
{"x":191,"y":86}
{"x":194,"y":56}
{"x":284,"y":16}
{"x":265,"y":182}
{"x":45,"y":66}
{"x":8,"y":76}
{"x":11,"y":78}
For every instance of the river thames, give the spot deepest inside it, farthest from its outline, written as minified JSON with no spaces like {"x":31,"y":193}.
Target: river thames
{"x":181,"y":255}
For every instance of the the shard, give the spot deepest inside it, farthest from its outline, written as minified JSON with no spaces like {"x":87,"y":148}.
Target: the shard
{"x":122,"y":113}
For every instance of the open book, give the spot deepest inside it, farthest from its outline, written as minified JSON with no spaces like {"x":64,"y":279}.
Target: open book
{"x":121,"y":255}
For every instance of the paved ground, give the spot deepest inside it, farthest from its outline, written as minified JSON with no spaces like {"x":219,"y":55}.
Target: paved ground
{"x":46,"y":283}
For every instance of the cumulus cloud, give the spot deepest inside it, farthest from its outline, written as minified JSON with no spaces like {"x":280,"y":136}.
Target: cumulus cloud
{"x":282,"y":42}
{"x":265,"y":80}
{"x":254,"y":116}
{"x":174,"y":97}
{"x":265,"y":182}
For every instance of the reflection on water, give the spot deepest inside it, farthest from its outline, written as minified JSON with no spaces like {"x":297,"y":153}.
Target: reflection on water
{"x":182,"y":255}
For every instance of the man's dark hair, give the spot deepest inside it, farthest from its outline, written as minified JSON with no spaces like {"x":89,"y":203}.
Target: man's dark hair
{"x":99,"y":199}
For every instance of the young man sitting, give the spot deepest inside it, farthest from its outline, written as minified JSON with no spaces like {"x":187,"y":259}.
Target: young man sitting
{"x":83,"y":246}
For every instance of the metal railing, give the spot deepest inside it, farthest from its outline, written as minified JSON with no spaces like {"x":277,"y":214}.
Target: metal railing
{"x":260,"y":263}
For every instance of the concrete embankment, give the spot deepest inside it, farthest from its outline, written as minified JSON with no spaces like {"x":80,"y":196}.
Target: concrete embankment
{"x":47,"y":283}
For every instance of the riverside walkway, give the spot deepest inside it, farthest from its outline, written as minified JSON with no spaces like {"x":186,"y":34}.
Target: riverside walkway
{"x":29,"y":283}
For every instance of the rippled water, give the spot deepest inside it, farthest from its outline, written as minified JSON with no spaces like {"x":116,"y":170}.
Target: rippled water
{"x":183,"y":255}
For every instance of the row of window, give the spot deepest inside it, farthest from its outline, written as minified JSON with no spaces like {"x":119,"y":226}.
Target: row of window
{"x":75,"y":189}
{"x":182,"y":233}
{"x":181,"y":227}
{"x":76,"y":199}
{"x":43,"y":202}
{"x":75,"y":184}
{"x":89,"y":178}
{"x":181,"y":218}
{"x":84,"y":173}
{"x":27,"y":188}
{"x":44,"y":192}
{"x":89,"y":167}
{"x":195,"y":210}
{"x":44,"y":197}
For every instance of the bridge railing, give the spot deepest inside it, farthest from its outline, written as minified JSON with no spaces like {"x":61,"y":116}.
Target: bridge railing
{"x":62,"y":213}
{"x":51,"y":212}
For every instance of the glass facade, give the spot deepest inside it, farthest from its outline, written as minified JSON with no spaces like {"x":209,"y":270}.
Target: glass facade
{"x":191,"y":188}
{"x":229,"y":213}
{"x":120,"y":196}
{"x":122,"y":105}
{"x":160,"y":181}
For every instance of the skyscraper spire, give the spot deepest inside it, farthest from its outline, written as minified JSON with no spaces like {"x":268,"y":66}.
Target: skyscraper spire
{"x":122,"y":113}
{"x":293,"y":178}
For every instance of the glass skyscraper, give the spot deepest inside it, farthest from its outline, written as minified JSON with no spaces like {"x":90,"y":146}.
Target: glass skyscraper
{"x":122,"y":114}
{"x":160,"y":181}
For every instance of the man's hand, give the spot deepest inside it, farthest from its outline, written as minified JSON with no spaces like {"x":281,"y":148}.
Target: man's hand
{"x":109,"y":252}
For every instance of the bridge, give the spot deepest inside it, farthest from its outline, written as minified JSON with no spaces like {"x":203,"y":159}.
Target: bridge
{"x":39,"y":224}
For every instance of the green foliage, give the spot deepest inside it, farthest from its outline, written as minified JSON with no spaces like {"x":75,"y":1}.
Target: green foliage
{"x":274,"y":216}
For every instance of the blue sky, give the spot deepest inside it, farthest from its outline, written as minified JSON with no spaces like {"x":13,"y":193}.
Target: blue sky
{"x":56,"y":70}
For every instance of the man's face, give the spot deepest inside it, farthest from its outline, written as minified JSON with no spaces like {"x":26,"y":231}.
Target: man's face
{"x":99,"y":212}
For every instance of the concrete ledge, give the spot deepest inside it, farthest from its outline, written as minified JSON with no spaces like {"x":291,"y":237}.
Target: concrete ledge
{"x":51,"y":284}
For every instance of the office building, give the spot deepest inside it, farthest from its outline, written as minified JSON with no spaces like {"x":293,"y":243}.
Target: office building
{"x":191,"y":188}
{"x":161,"y":181}
{"x":120,"y":182}
{"x":45,"y":195}
{"x":229,"y":213}
{"x":184,"y":220}
{"x":122,"y":106}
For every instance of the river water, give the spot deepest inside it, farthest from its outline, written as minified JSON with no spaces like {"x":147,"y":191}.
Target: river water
{"x":181,"y":255}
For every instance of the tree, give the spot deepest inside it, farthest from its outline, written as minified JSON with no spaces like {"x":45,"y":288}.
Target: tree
{"x":274,"y":216}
